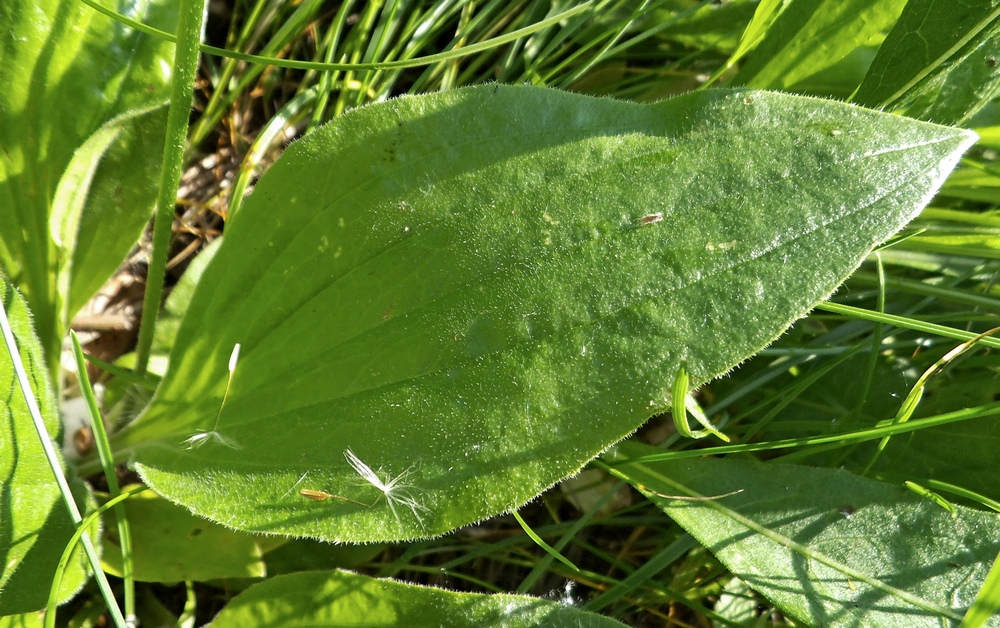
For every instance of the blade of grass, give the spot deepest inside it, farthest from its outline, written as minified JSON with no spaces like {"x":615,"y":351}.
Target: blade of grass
{"x":325,"y":67}
{"x":883,"y":428}
{"x":187,"y":618}
{"x":932,"y":496}
{"x":108,"y":465}
{"x":767,"y":11}
{"x":617,"y":49}
{"x":291,"y":111}
{"x":866,"y":384}
{"x":223,"y":97}
{"x":542,"y":544}
{"x":945,"y":293}
{"x":641,"y":576}
{"x":149,"y":382}
{"x":987,"y":600}
{"x":792,"y":393}
{"x":327,"y":79}
{"x":539,"y":570}
{"x":905,"y":323}
{"x":60,"y":477}
{"x":599,"y":56}
{"x":963,"y":492}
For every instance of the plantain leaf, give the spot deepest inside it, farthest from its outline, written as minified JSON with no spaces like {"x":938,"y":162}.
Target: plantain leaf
{"x":459,"y":299}
{"x":82,"y":137}
{"x":340,"y":598}
{"x":34,"y":523}
{"x":829,"y":548}
{"x":170,"y":545}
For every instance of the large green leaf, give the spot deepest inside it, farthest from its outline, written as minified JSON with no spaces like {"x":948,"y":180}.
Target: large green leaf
{"x":34,"y":523}
{"x":939,"y":62}
{"x":482,"y":289}
{"x":82,"y":141}
{"x":340,"y":598}
{"x":829,"y":548}
{"x":809,"y":38}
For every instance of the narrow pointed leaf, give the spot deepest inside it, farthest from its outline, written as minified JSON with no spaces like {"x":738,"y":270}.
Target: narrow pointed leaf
{"x":340,"y":598}
{"x":828,"y":547}
{"x":476,"y":292}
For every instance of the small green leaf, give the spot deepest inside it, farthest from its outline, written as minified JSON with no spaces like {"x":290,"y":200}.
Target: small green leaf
{"x":477,"y":291}
{"x":809,"y":38}
{"x":939,"y":62}
{"x":684,"y":402}
{"x":34,"y":523}
{"x":171,"y":545}
{"x":72,"y":198}
{"x":829,"y":548}
{"x":340,"y":598}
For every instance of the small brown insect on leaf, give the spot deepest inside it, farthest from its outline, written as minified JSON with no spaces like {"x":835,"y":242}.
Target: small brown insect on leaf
{"x":317,"y":496}
{"x":320,"y":496}
{"x":650,"y":219}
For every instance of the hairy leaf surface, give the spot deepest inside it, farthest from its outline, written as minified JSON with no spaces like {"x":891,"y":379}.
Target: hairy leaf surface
{"x":828,"y":547}
{"x":478,"y":291}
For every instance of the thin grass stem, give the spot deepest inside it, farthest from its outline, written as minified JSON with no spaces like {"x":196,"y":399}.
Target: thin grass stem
{"x":189,"y":30}
{"x":57,"y":472}
{"x":351,"y":67}
{"x":108,"y":465}
{"x":113,"y":503}
{"x":906,"y":323}
{"x":551,"y":551}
